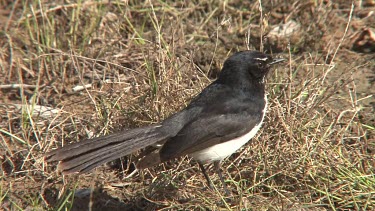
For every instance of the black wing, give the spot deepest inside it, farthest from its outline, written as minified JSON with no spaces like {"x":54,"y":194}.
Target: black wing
{"x":226,"y":115}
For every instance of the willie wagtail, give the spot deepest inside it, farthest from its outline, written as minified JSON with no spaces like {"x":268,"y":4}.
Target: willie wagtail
{"x":221,"y":119}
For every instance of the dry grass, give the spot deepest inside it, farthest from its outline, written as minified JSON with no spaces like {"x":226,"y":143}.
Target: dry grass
{"x":144,"y":61}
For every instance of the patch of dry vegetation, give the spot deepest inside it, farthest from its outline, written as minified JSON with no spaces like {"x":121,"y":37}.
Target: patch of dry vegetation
{"x":71,"y":70}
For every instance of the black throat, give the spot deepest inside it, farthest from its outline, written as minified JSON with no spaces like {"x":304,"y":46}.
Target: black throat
{"x":239,"y":78}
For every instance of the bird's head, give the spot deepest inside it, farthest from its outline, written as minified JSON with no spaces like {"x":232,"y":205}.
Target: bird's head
{"x":253,"y":63}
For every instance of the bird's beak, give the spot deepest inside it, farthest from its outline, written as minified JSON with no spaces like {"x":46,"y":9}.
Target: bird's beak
{"x":276,"y":61}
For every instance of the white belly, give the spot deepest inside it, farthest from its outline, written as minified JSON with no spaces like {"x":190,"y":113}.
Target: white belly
{"x":223,"y":150}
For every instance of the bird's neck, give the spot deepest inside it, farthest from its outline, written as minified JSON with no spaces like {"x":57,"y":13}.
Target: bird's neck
{"x":241,"y":80}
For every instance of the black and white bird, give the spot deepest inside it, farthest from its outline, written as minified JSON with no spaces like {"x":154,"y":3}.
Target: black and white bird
{"x":221,"y":119}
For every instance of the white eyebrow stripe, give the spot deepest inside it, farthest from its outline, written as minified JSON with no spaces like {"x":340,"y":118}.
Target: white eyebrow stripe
{"x":262,"y":59}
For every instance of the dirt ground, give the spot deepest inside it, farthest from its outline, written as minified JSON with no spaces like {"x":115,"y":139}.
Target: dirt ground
{"x":73,"y":70}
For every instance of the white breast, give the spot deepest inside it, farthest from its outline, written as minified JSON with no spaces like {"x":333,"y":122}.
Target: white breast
{"x":223,"y":150}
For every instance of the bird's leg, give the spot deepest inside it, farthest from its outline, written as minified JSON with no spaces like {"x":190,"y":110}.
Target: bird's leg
{"x":205,"y":174}
{"x":218,"y":171}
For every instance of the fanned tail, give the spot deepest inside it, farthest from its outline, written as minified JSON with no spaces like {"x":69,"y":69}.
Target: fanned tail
{"x":84,"y":156}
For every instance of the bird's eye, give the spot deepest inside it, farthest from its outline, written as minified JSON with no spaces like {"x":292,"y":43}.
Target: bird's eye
{"x":260,"y":64}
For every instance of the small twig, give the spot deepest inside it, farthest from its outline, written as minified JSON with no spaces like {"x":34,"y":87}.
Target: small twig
{"x":16,"y":86}
{"x":341,"y":41}
{"x":261,"y":26}
{"x":80,"y":87}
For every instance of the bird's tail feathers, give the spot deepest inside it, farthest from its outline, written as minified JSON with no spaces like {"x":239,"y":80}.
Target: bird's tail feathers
{"x":83,"y":156}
